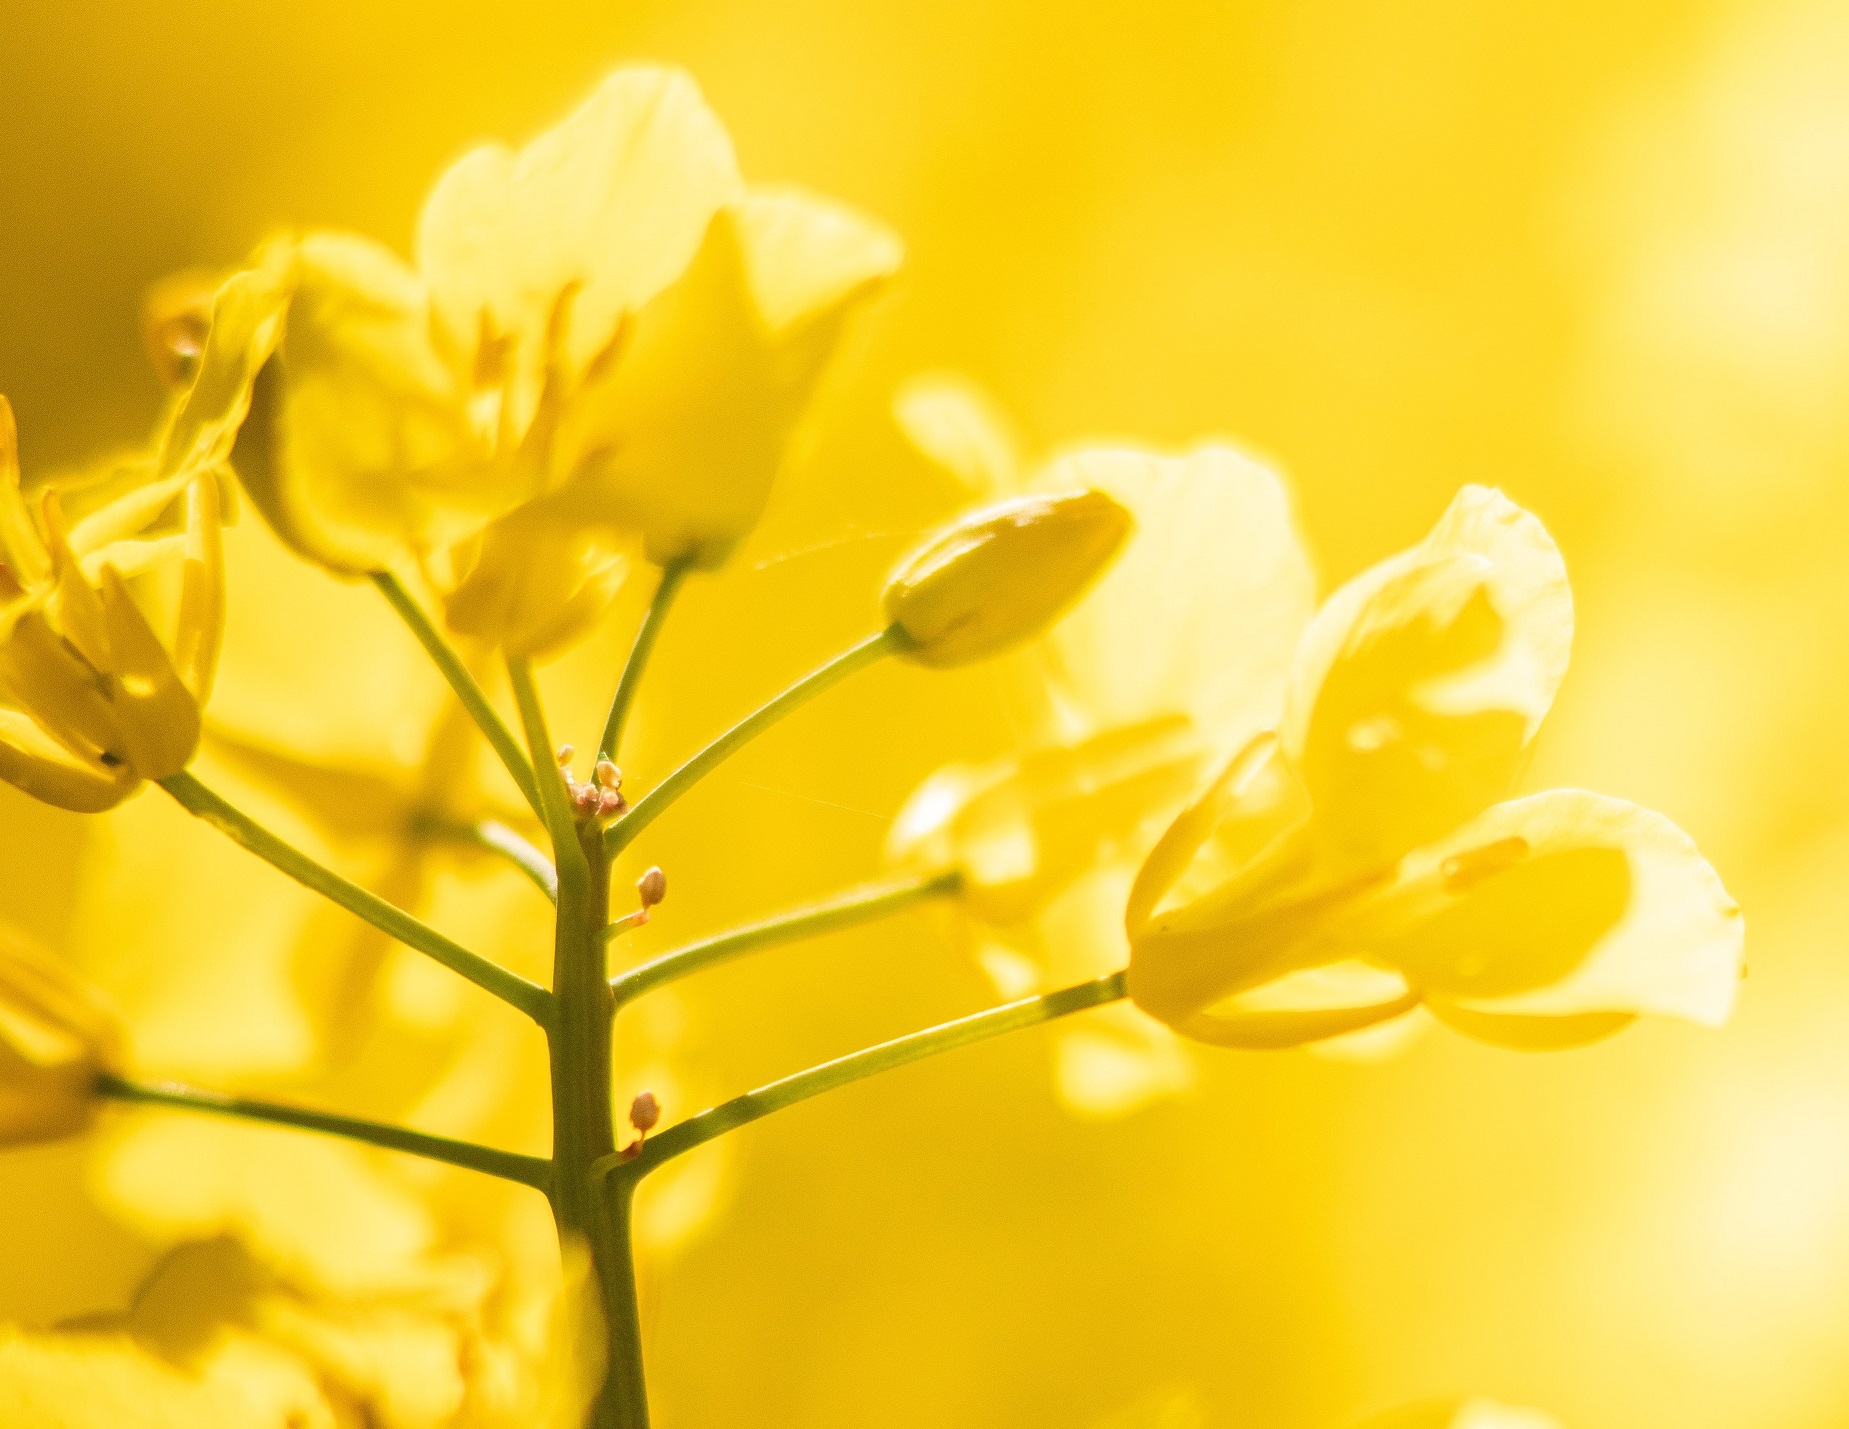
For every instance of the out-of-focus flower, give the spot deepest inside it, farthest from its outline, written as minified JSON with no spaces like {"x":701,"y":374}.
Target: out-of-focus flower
{"x":1463,"y":1414}
{"x":607,"y":340}
{"x":216,"y":1338}
{"x":1001,"y":575}
{"x":1175,"y":658}
{"x":97,"y":702}
{"x":1355,"y":864}
{"x":56,"y":1039}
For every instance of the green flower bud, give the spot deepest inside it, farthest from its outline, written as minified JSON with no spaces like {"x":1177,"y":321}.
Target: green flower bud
{"x":1001,"y":575}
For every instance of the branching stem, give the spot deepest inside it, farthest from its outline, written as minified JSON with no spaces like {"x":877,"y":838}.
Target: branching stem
{"x":508,"y":1165}
{"x":510,"y":987}
{"x":742,"y":1110}
{"x":623,"y":832}
{"x":862,"y":905}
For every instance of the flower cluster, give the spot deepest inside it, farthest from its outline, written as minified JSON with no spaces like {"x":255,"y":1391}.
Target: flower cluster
{"x":1246,"y":820}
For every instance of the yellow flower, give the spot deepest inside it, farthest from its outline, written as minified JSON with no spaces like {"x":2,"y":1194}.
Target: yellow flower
{"x":1356,"y":864}
{"x":607,"y":340}
{"x":1002,"y":574}
{"x":55,"y":1040}
{"x":97,"y":702}
{"x":1176,"y":657}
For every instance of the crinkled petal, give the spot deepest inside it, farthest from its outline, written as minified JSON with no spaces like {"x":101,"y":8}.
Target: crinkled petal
{"x":539,"y":581}
{"x":1201,"y":612}
{"x":683,"y":436}
{"x":201,"y":626}
{"x":247,"y":322}
{"x":612,"y":201}
{"x":954,"y":423}
{"x":1561,"y":905}
{"x":1418,"y":685}
{"x":358,"y":452}
{"x":22,"y":552}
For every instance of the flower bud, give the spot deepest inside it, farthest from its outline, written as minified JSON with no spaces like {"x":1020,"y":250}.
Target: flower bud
{"x":652,"y":887}
{"x":55,"y":1041}
{"x":1002,"y":574}
{"x":644,"y":1112}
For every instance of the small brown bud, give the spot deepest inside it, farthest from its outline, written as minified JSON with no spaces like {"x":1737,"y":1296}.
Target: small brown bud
{"x":644,"y":1112}
{"x":652,"y":887}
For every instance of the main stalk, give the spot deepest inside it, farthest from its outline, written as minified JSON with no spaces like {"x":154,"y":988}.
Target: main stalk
{"x":583,"y":1127}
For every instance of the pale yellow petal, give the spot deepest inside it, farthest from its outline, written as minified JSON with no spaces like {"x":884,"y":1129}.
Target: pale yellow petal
{"x":1115,"y":1061}
{"x":1201,"y":612}
{"x":359,"y":451}
{"x":539,"y":580}
{"x":40,"y":672}
{"x":954,"y":423}
{"x":22,"y":552}
{"x":1565,"y":904}
{"x":201,"y":626}
{"x":683,"y":435}
{"x":1418,"y":685}
{"x":1307,"y":1005}
{"x":612,"y":201}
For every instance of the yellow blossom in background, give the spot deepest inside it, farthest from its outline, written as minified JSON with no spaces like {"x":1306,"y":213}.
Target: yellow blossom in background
{"x":1176,"y":656}
{"x":1356,"y":865}
{"x":56,"y":1039}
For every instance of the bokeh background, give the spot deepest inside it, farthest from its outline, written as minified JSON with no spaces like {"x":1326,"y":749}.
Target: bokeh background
{"x":1595,"y":254}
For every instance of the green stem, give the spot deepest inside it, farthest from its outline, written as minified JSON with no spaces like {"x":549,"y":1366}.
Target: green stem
{"x":487,"y":719}
{"x":619,"y":835}
{"x":510,"y":987}
{"x":665,"y":590}
{"x":860,"y":906}
{"x":740,"y":1111}
{"x":583,"y":1129}
{"x":508,"y":1165}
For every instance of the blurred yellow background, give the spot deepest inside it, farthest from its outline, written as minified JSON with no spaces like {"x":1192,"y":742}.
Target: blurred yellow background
{"x":1596,"y":255}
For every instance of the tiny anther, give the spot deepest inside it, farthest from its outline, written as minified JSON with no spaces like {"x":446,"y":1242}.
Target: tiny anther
{"x":652,"y":887}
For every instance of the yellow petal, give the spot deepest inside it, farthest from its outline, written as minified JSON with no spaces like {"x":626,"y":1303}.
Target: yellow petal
{"x":953,"y":422}
{"x":359,"y":451}
{"x":347,"y":803}
{"x":34,"y":762}
{"x":40,"y":672}
{"x":76,"y":605}
{"x":1002,"y":574}
{"x":22,"y":552}
{"x":1565,"y":904}
{"x":1116,"y":1061}
{"x":1464,"y":1414}
{"x":614,"y":201}
{"x":202,"y":591}
{"x":127,"y":514}
{"x":1020,"y":831}
{"x":1201,"y":612}
{"x":157,"y":714}
{"x":683,"y":436}
{"x":247,"y":322}
{"x":1419,"y":684}
{"x":56,"y":1037}
{"x":1307,"y":1005}
{"x":539,"y":581}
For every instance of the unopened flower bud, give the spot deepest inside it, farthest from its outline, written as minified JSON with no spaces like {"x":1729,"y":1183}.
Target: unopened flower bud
{"x":652,"y":887}
{"x":565,"y":754}
{"x":1002,"y":574}
{"x":608,"y":775}
{"x":644,"y":1112}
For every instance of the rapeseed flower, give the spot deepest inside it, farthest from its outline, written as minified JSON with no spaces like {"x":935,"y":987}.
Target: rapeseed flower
{"x":95,"y":702}
{"x":1355,"y":864}
{"x":1176,"y":657}
{"x":604,"y":348}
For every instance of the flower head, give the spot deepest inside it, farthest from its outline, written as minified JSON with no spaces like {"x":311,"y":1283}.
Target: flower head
{"x":97,"y":701}
{"x":605,"y":345}
{"x":56,"y":1039}
{"x":1355,"y":864}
